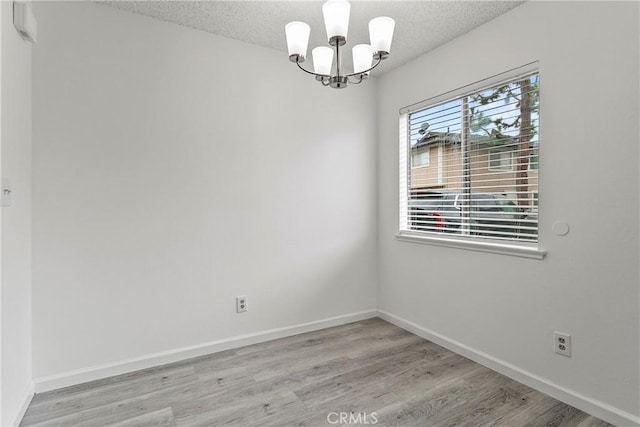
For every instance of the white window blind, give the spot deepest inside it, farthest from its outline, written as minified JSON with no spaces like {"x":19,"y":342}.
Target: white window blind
{"x":484,"y":185}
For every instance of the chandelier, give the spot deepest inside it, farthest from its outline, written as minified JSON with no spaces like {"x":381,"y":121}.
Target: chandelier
{"x":336,"y":21}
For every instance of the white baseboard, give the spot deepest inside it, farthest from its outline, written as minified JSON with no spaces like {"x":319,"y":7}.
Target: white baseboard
{"x":594,"y":407}
{"x":28,"y":395}
{"x":84,"y":375}
{"x":591,"y":406}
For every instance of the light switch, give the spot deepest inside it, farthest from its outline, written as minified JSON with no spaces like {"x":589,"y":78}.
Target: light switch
{"x":5,"y":194}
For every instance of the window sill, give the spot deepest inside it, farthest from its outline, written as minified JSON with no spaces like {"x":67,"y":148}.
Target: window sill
{"x":474,"y":245}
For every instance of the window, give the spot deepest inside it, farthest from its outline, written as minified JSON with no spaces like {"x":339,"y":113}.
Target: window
{"x":484,"y":186}
{"x":420,"y":158}
{"x":533,"y":158}
{"x":500,"y":160}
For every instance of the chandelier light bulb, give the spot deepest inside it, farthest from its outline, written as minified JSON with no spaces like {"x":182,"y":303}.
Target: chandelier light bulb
{"x":297,"y":38}
{"x":381,"y":33}
{"x":322,"y":60}
{"x":336,"y":18}
{"x":362,"y":57}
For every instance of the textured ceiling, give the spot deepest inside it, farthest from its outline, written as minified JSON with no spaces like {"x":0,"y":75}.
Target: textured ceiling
{"x":421,"y":26}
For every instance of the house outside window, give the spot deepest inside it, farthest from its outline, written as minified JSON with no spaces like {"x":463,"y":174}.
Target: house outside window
{"x":483,"y":188}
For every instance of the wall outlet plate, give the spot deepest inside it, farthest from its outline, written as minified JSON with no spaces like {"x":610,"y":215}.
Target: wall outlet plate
{"x":241,"y":304}
{"x":562,"y":343}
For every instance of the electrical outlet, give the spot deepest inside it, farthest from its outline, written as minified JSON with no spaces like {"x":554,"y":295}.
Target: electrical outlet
{"x":241,"y":304}
{"x":562,"y":343}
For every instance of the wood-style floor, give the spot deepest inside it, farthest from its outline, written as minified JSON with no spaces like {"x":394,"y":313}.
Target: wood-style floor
{"x":372,"y":370}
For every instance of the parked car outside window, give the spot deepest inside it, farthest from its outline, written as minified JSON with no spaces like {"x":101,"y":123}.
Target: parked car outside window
{"x":490,"y":215}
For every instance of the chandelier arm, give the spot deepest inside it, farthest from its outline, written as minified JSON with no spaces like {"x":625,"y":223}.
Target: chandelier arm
{"x":365,"y":71}
{"x":310,"y":72}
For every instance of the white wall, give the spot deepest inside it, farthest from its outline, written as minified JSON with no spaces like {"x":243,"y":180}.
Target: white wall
{"x":175,"y":170}
{"x":169,"y":177}
{"x":588,"y":285}
{"x":15,"y":264}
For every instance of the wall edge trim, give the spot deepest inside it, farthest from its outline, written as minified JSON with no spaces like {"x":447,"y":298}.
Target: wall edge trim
{"x":28,"y":396}
{"x":587,"y":404}
{"x":83,"y":375}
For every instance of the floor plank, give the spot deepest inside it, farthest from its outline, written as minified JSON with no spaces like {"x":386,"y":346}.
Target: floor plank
{"x":359,"y":369}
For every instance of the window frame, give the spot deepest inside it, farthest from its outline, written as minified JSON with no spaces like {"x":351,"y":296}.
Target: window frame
{"x":505,"y":247}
